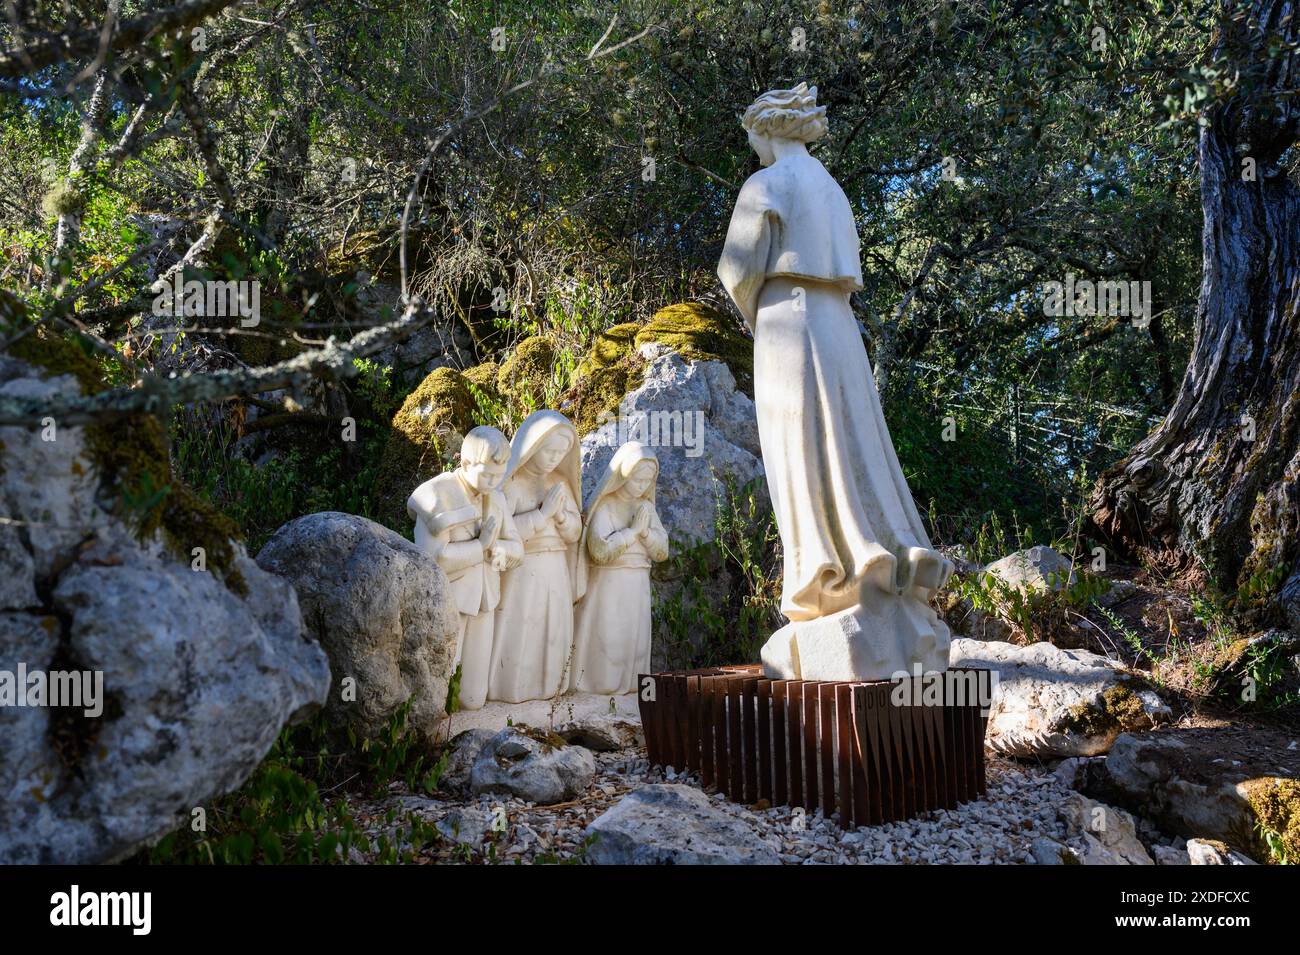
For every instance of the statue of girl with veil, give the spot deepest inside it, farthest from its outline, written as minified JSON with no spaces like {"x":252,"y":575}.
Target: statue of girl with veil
{"x":859,"y":568}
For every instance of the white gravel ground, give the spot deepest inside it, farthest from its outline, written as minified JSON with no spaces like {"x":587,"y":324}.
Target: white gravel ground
{"x":1020,"y":807}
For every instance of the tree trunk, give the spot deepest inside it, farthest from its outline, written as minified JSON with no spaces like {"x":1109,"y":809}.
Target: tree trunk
{"x":1217,"y":484}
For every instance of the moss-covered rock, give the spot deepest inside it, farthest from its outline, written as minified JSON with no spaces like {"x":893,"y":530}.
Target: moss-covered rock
{"x":484,"y":378}
{"x":1276,"y":804}
{"x":701,"y":333}
{"x":610,"y":369}
{"x":131,"y":456}
{"x":609,"y":348}
{"x":528,"y":375}
{"x":1119,"y":709}
{"x":613,"y":365}
{"x":427,"y":432}
{"x":593,"y":398}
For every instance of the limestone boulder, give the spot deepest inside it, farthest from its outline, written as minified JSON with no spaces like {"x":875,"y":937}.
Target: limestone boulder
{"x":1035,"y":570}
{"x":533,"y":766}
{"x":672,"y":824}
{"x":198,"y":671}
{"x":380,"y":608}
{"x":1236,"y":785}
{"x":704,"y":431}
{"x":1058,"y":703}
{"x":1101,"y":834}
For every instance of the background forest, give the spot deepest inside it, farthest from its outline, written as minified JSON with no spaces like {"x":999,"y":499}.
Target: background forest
{"x":314,"y":120}
{"x":514,"y":189}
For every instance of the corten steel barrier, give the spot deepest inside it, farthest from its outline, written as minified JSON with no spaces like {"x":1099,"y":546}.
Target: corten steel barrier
{"x":820,"y":745}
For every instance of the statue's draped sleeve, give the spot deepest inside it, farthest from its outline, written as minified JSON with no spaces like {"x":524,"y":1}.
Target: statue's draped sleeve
{"x":743,"y":265}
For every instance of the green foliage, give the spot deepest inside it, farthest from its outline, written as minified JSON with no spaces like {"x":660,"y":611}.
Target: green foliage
{"x":374,"y":385}
{"x":283,"y":814}
{"x":1269,"y":666}
{"x":453,"y":692}
{"x":700,"y":626}
{"x":398,"y":753}
{"x":1033,"y":615}
{"x":1277,"y":848}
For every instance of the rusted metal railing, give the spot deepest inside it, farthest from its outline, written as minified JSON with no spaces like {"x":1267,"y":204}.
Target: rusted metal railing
{"x":850,"y":748}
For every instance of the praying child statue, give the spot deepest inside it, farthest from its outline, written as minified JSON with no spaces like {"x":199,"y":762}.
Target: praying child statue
{"x":462,"y":522}
{"x":534,"y":629}
{"x":623,"y":535}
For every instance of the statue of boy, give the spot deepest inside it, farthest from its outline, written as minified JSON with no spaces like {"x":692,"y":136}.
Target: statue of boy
{"x":461,"y":521}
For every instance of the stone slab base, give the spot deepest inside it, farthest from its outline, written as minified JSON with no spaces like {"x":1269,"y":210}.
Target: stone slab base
{"x":894,"y":634}
{"x":544,"y":714}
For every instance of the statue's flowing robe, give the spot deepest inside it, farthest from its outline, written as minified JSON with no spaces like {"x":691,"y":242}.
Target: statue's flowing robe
{"x":843,"y":509}
{"x":612,"y":630}
{"x":534,"y":623}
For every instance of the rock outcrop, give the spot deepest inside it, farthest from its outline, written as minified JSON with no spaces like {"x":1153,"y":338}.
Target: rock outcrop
{"x":380,"y":608}
{"x":672,"y":824}
{"x":703,"y":429}
{"x":200,"y":655}
{"x":1058,"y":703}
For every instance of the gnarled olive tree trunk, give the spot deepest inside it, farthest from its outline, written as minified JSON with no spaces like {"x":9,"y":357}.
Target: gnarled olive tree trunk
{"x":1218,"y":482}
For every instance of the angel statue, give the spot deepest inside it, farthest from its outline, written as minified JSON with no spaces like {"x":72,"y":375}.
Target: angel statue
{"x":859,"y":568}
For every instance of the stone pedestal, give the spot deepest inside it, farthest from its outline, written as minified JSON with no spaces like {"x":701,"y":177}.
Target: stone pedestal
{"x":893,"y":635}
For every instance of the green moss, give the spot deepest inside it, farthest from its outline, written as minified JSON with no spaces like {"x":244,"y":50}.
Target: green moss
{"x":613,"y":365}
{"x":483,"y":378}
{"x":1119,"y":710}
{"x":426,"y":432}
{"x":189,"y":522}
{"x":130,"y":454}
{"x":527,"y":377}
{"x":59,"y":355}
{"x":701,"y":333}
{"x":1276,"y":804}
{"x":598,"y":395}
{"x":610,"y":348}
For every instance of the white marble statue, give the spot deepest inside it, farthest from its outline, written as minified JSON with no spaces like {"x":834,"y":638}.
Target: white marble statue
{"x":462,"y":522}
{"x":534,"y":626}
{"x":621,"y":537}
{"x":859,"y":568}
